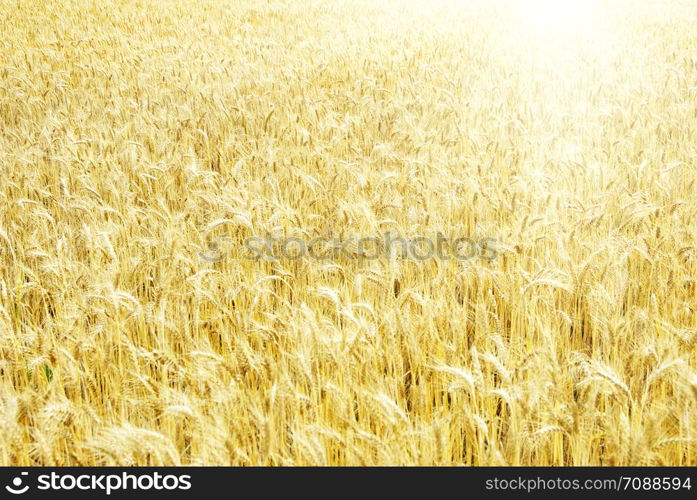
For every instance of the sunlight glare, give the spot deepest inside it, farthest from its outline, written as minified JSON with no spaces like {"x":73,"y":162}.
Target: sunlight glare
{"x":559,"y":17}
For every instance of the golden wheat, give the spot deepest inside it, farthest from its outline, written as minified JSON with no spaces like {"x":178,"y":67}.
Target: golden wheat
{"x":138,"y":135}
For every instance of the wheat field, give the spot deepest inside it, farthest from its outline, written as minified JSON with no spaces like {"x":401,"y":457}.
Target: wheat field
{"x":138,"y":136}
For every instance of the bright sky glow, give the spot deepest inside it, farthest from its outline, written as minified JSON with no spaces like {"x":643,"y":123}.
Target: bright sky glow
{"x":559,"y":17}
